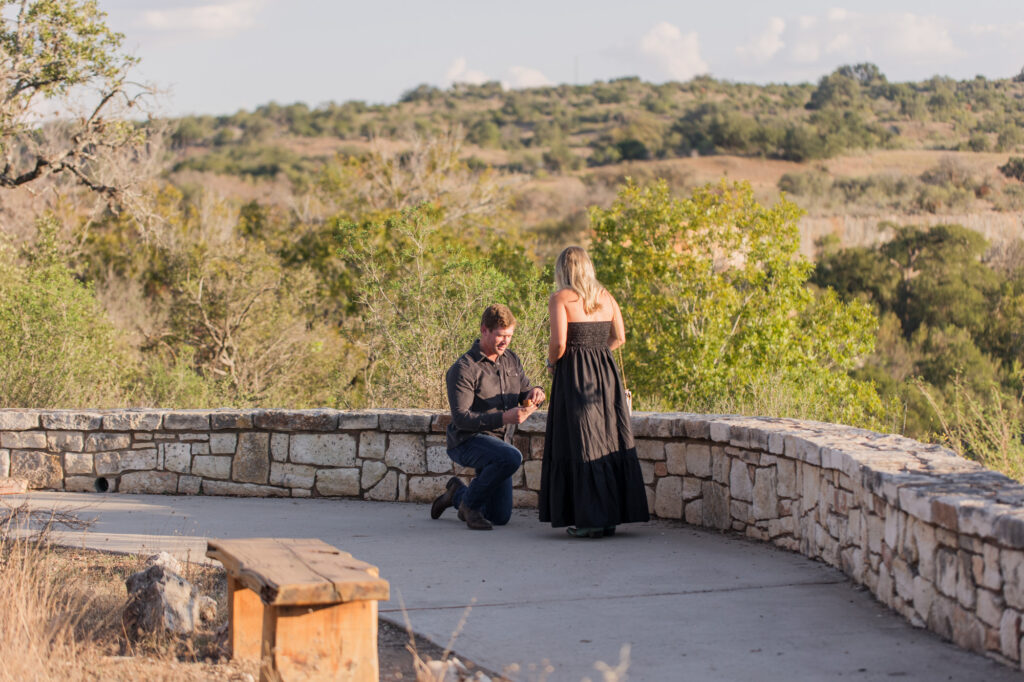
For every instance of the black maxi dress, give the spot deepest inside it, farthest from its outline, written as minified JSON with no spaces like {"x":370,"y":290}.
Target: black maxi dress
{"x":590,"y":475}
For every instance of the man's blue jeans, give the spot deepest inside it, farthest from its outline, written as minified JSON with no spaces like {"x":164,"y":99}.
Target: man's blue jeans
{"x":491,"y":491}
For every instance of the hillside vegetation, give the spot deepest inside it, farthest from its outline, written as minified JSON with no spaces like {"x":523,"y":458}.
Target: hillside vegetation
{"x":340,"y":255}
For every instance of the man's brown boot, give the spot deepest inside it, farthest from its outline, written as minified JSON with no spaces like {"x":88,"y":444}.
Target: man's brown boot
{"x":445,"y":499}
{"x":474,"y":519}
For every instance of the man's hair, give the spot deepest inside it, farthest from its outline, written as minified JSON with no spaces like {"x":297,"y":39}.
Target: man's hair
{"x":497,"y":316}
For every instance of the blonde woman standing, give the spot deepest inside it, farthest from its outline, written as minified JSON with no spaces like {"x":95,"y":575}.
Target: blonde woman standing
{"x":590,"y":478}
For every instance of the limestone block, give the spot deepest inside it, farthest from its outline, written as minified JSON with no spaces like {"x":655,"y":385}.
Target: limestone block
{"x":406,"y":453}
{"x":233,"y":419}
{"x":668,"y":498}
{"x":279,"y":447}
{"x":719,"y":431}
{"x":77,"y":463}
{"x":765,"y":498}
{"x":296,"y":420}
{"x":696,"y":427}
{"x":301,"y":492}
{"x":966,"y":590}
{"x":675,"y":459}
{"x":720,"y":465}
{"x":989,"y":607}
{"x":647,"y":471}
{"x":782,"y":526}
{"x":403,"y":486}
{"x":108,"y":463}
{"x":968,"y":630}
{"x":292,"y":475}
{"x":649,"y":492}
{"x":716,"y":506}
{"x":189,"y":485}
{"x":200,"y":448}
{"x":524,"y":499}
{"x":151,"y":482}
{"x":927,"y":545}
{"x":1011,"y":564}
{"x":338,"y":482}
{"x":18,"y":420}
{"x":532,"y":471}
{"x":438,"y":461}
{"x":23,"y":440}
{"x":694,"y":513}
{"x":924,"y":595}
{"x":653,"y":450}
{"x":242,"y":489}
{"x":71,"y":421}
{"x":1010,"y":634}
{"x":97,"y":442}
{"x":537,"y":447}
{"x":80,"y":484}
{"x":535,"y":423}
{"x":64,"y":441}
{"x":946,"y":566}
{"x":386,"y":490}
{"x":5,"y":463}
{"x":177,"y":457}
{"x":144,"y":437}
{"x":212,"y":466}
{"x":740,"y":487}
{"x":372,"y":473}
{"x":519,"y":478}
{"x":903,"y":579}
{"x":426,"y":488}
{"x":440,"y":422}
{"x":251,"y":463}
{"x":132,"y":421}
{"x":223,"y":443}
{"x":405,"y":421}
{"x":358,"y":420}
{"x":328,"y":449}
{"x":985,"y":568}
{"x":698,"y":460}
{"x":372,"y":445}
{"x":739,"y":512}
{"x":691,"y":488}
{"x":193,"y":437}
{"x":187,"y":421}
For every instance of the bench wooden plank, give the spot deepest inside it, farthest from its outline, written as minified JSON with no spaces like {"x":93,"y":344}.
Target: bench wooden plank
{"x":299,"y":571}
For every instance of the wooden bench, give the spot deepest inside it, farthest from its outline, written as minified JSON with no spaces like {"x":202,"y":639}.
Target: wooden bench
{"x":305,"y":609}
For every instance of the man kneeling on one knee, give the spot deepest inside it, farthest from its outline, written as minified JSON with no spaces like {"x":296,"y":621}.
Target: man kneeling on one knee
{"x":487,"y":391}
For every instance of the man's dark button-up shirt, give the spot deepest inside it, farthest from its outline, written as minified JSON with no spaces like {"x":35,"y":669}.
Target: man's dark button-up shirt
{"x":479,"y":390}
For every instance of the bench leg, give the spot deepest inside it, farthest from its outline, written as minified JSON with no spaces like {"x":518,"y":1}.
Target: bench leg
{"x":308,"y":643}
{"x":245,"y":621}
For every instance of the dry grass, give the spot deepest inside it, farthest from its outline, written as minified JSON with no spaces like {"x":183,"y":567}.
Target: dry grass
{"x":60,"y":616}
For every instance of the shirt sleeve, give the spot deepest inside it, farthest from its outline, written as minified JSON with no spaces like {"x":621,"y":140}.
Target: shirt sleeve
{"x":461,"y":394}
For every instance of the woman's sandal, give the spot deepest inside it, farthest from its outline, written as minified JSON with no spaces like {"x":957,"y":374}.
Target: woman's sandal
{"x":575,"y":532}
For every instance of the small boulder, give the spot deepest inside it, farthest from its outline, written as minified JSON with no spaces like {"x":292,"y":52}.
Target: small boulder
{"x":160,"y":600}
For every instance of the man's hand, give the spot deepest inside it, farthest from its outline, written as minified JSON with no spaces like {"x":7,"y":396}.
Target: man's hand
{"x":517,"y":415}
{"x":536,"y":396}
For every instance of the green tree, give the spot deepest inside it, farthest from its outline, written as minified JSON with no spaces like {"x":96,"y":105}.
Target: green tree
{"x":713,"y":292}
{"x":51,"y":51}
{"x":421,"y":294}
{"x":57,"y":347}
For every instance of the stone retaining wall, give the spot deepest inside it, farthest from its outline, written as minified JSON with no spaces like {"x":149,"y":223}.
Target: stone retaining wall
{"x":934,"y":536}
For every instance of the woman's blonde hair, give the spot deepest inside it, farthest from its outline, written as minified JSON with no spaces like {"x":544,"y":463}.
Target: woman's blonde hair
{"x":574,"y":271}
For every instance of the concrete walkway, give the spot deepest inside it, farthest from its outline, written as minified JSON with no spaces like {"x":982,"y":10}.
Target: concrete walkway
{"x":693,"y":604}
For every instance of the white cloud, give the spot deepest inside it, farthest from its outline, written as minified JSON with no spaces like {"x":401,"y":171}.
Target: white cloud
{"x":525,"y":77}
{"x":1012,"y":30}
{"x":767,"y":44}
{"x":676,"y":54}
{"x":217,"y":18}
{"x":849,"y":36}
{"x":459,"y":72}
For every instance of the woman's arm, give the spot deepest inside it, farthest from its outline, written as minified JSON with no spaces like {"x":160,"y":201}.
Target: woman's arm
{"x":617,"y":335}
{"x":559,"y":328}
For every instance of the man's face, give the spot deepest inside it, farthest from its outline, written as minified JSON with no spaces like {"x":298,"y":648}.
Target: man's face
{"x":495,"y":341}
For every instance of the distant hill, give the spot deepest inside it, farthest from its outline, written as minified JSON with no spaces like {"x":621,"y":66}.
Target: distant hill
{"x":853,"y":149}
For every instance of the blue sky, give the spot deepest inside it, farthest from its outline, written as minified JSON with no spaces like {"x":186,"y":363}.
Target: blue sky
{"x":219,"y":56}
